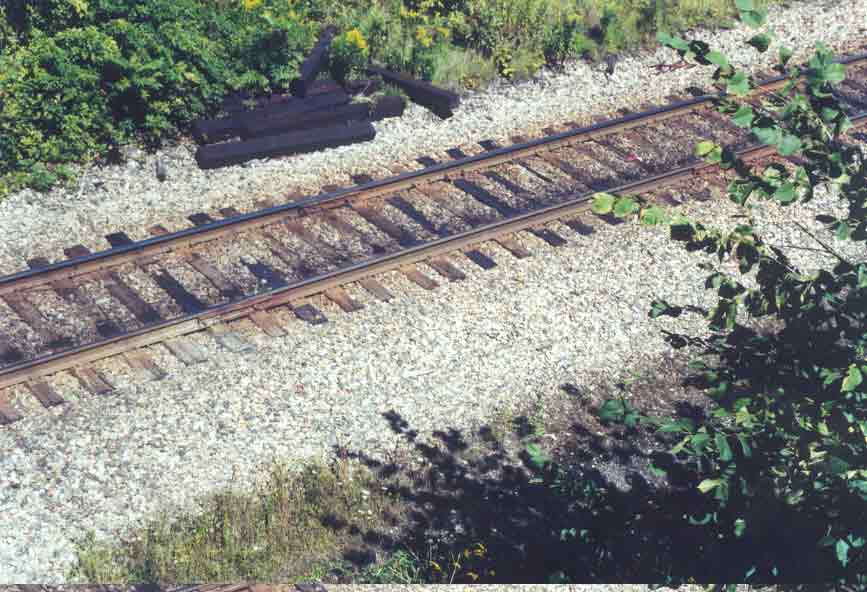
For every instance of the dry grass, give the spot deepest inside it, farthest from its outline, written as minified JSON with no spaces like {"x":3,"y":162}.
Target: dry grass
{"x":280,"y":531}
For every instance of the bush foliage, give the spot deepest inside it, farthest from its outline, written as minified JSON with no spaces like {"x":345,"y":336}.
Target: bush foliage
{"x":79,"y":78}
{"x":786,"y":442}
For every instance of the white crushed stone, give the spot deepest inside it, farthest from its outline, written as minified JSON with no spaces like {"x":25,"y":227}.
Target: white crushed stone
{"x":129,"y":197}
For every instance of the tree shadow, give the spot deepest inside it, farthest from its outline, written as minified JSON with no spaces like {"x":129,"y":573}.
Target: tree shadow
{"x":492,"y":508}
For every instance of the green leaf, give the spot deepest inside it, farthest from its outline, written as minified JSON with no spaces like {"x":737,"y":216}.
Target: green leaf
{"x":725,"y":452}
{"x":785,"y":193}
{"x":743,"y":417}
{"x":670,"y":427}
{"x":829,"y":114}
{"x":673,"y":42}
{"x":834,"y":73}
{"x":738,"y":85}
{"x":679,"y":446}
{"x":603,"y":203}
{"x":836,"y":465}
{"x":745,"y":446}
{"x":653,"y":216}
{"x":740,"y":527}
{"x":659,"y":308}
{"x":625,"y":206}
{"x":708,"y":484}
{"x":712,"y":153}
{"x":761,"y":42}
{"x":538,"y":457}
{"x":862,"y":276}
{"x":745,"y":4}
{"x":740,"y":190}
{"x":789,"y":145}
{"x":704,"y":148}
{"x":785,"y":55}
{"x":842,"y":548}
{"x":770,"y":136}
{"x":830,"y":376}
{"x":656,"y":471}
{"x":754,"y":18}
{"x":612,"y":410}
{"x":717,"y":59}
{"x":853,"y":379}
{"x":699,"y":440}
{"x":702,"y":521}
{"x":743,"y":117}
{"x":843,"y":230}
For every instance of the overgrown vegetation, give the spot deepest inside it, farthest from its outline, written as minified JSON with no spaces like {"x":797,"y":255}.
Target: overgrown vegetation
{"x":80,"y":78}
{"x":284,"y":531}
{"x":786,"y":442}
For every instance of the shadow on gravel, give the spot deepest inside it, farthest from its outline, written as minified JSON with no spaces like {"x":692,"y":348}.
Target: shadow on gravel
{"x":590,"y":510}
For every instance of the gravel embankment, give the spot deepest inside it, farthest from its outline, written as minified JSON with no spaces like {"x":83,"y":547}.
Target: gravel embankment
{"x":130,"y":198}
{"x":454,"y":358}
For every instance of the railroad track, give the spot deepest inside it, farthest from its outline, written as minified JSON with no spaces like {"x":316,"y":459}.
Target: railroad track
{"x":65,"y":316}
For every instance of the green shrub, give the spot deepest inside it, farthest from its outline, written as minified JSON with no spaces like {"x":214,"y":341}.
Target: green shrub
{"x":559,"y":42}
{"x":783,"y":359}
{"x":464,"y":68}
{"x":88,"y":77}
{"x":348,"y":55}
{"x":78,"y":78}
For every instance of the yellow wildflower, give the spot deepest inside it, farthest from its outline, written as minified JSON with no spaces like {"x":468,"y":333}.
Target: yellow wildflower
{"x":435,"y":566}
{"x":472,"y":575}
{"x":423,"y":37}
{"x":354,"y":37}
{"x":252,"y":4}
{"x":443,"y":31}
{"x":408,"y":14}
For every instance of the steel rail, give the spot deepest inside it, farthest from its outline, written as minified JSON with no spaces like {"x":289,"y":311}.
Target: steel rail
{"x":183,"y":239}
{"x":191,"y":323}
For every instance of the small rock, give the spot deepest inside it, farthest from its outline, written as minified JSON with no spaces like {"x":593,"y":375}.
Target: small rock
{"x":132,"y":153}
{"x":610,"y":63}
{"x":162,"y":170}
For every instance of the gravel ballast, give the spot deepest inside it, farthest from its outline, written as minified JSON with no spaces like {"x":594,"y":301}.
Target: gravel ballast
{"x":130,"y":198}
{"x":452,"y":358}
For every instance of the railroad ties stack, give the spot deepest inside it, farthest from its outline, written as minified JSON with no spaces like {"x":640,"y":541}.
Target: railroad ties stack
{"x":314,"y":115}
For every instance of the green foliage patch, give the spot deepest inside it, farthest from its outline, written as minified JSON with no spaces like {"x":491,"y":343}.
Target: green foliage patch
{"x":80,"y":78}
{"x":786,"y":442}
